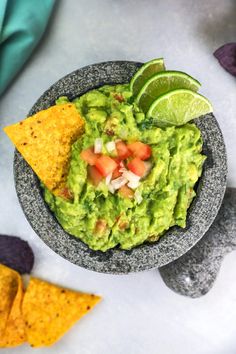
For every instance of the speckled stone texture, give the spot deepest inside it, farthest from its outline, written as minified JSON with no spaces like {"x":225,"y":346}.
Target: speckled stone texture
{"x":176,"y":241}
{"x":194,"y":273}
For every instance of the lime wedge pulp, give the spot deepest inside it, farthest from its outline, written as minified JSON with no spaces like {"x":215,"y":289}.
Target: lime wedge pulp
{"x":178,"y":107}
{"x":144,"y":73}
{"x":162,"y":83}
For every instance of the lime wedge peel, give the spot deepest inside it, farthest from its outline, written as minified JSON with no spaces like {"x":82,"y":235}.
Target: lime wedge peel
{"x":144,"y":73}
{"x":162,"y":83}
{"x":178,"y":107}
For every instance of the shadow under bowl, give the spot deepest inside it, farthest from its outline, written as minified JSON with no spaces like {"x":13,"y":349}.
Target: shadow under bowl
{"x":176,"y":241}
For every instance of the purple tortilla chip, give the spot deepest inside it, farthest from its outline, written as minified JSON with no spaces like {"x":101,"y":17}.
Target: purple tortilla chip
{"x":16,"y":253}
{"x":226,"y":56}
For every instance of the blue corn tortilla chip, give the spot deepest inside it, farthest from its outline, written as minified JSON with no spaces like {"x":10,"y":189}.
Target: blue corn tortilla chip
{"x":16,"y":253}
{"x":226,"y":56}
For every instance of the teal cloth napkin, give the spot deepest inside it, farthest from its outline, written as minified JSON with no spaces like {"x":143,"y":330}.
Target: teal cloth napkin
{"x":22,"y":23}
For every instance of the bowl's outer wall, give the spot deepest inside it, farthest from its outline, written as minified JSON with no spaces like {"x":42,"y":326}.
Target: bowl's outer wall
{"x":176,"y":241}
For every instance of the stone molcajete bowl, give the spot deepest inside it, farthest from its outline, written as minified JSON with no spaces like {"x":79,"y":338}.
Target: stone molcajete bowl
{"x":176,"y":241}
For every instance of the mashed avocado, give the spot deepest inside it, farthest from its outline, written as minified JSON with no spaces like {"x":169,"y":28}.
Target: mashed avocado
{"x":167,"y":191}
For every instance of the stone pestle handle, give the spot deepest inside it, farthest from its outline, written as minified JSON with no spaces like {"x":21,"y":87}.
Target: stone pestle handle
{"x":194,"y":273}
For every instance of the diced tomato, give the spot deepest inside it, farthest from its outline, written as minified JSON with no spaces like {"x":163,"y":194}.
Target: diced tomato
{"x":137,"y":166}
{"x":116,"y":173}
{"x":109,"y":132}
{"x":123,"y":225}
{"x":94,"y":175}
{"x":101,"y":226}
{"x":89,"y":156}
{"x":105,"y":165}
{"x":117,"y":160}
{"x":122,"y":150}
{"x":140,"y":150}
{"x":126,"y":192}
{"x":119,"y":97}
{"x":66,"y":193}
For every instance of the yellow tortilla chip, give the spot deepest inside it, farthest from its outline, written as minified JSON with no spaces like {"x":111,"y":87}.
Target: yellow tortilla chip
{"x":9,"y":280}
{"x":14,"y":333}
{"x":45,"y":140}
{"x":49,"y":311}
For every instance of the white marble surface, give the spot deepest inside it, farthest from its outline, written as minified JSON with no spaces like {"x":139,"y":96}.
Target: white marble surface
{"x":139,"y":314}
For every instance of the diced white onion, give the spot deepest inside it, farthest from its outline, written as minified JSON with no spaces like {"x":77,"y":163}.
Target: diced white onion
{"x":148,"y":168}
{"x":119,"y":182}
{"x":138,"y":196}
{"x":131,"y":177}
{"x":122,"y":164}
{"x":108,"y":179}
{"x":133,"y":184}
{"x":110,"y":146}
{"x":111,"y":188}
{"x":98,"y":146}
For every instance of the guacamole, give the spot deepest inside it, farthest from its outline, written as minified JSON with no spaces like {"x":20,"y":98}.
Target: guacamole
{"x":104,"y":219}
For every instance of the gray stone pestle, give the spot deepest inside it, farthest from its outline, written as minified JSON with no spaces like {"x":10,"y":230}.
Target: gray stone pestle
{"x":194,"y":273}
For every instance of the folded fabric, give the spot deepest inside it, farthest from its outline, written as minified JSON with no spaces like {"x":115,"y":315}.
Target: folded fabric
{"x":22,"y":23}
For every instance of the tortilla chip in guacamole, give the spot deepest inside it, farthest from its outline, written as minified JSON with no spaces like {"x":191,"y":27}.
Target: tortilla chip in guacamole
{"x":45,"y":140}
{"x":49,"y":311}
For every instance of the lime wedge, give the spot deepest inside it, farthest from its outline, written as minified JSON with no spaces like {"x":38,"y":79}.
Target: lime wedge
{"x":177,"y":107}
{"x":164,"y":82}
{"x":144,"y":73}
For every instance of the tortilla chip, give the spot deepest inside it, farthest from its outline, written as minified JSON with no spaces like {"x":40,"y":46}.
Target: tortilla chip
{"x":45,"y":140}
{"x":49,"y":311}
{"x":9,"y":280}
{"x":14,"y":333}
